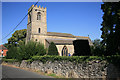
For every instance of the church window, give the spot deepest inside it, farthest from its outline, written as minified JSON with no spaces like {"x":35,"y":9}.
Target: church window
{"x":38,"y":30}
{"x":38,"y":16}
{"x":64,"y":51}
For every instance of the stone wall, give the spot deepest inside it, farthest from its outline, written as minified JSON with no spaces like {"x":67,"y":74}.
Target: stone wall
{"x":91,"y":69}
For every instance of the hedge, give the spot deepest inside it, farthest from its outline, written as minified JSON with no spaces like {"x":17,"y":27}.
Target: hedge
{"x":9,"y":60}
{"x":77,"y":59}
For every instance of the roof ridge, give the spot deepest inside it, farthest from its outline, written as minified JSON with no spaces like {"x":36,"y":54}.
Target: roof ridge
{"x":3,"y":47}
{"x":82,"y":36}
{"x":59,"y":32}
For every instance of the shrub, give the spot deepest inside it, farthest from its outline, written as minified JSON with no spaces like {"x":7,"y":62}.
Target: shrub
{"x":26,"y":51}
{"x":97,"y":51}
{"x":82,"y":48}
{"x":12,"y":53}
{"x":40,"y":49}
{"x":52,"y":50}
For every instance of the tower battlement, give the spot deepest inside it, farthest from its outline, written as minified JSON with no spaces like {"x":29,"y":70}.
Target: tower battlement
{"x":37,"y":7}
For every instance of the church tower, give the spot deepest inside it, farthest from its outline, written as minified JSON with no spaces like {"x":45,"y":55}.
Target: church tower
{"x":37,"y":23}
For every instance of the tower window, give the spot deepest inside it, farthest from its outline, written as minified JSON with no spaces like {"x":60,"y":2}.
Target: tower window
{"x":35,"y":39}
{"x":38,"y":16}
{"x":38,"y":30}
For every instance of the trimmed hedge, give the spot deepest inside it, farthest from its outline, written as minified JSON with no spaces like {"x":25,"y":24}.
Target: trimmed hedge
{"x":115,"y":59}
{"x":76,"y":59}
{"x":10,"y":60}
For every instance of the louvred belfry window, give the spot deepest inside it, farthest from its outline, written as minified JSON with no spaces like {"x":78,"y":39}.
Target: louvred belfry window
{"x":38,"y":16}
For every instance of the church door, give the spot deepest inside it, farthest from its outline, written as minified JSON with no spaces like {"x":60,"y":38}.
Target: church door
{"x":64,"y":51}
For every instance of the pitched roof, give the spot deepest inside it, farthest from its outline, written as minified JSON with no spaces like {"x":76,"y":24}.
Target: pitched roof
{"x":60,"y":41}
{"x":59,"y":34}
{"x":3,"y":48}
{"x":63,"y":41}
{"x":81,"y":37}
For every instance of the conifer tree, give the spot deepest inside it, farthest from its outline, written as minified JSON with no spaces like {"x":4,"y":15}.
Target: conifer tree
{"x":111,"y":27}
{"x":52,"y":50}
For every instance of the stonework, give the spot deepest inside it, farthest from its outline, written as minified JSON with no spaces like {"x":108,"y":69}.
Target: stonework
{"x":92,"y":69}
{"x":37,"y":31}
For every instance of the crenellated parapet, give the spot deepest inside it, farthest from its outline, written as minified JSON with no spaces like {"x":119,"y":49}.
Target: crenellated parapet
{"x":37,"y":7}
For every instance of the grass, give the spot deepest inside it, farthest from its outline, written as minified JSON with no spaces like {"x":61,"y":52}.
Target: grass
{"x":53,"y":75}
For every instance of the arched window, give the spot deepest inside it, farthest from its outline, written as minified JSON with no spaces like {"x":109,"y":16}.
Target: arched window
{"x":64,"y":51}
{"x":38,"y":16}
{"x":38,"y":30}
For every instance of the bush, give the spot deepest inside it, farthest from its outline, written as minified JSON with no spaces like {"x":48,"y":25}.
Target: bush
{"x":26,"y":51}
{"x":81,"y":48}
{"x":12,"y":53}
{"x":40,"y":49}
{"x":52,"y":50}
{"x":97,"y":51}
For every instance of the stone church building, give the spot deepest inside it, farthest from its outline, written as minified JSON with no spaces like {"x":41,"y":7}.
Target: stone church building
{"x":37,"y":31}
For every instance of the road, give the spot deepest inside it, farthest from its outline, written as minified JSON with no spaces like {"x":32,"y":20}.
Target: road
{"x":16,"y":74}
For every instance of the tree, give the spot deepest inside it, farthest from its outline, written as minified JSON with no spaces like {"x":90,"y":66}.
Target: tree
{"x":17,"y":37}
{"x":81,"y":48}
{"x":52,"y":50}
{"x":97,"y":49}
{"x":96,"y":42}
{"x":111,"y":27}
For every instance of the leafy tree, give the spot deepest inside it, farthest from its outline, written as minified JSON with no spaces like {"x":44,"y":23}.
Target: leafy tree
{"x":52,"y":50}
{"x":96,"y":42}
{"x":111,"y":27}
{"x":17,"y":37}
{"x":97,"y":49}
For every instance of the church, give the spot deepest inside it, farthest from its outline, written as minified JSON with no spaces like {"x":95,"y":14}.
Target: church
{"x":37,"y":31}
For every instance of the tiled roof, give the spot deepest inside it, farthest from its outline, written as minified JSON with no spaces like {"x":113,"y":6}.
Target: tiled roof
{"x":58,"y":41}
{"x":3,"y":48}
{"x":59,"y":34}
